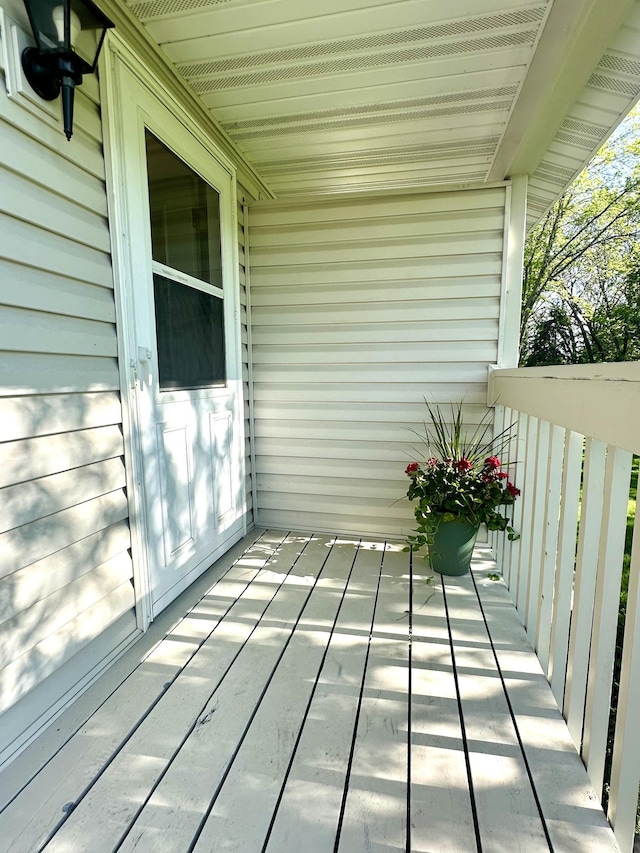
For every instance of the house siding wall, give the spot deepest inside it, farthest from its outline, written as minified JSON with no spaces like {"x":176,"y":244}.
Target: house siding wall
{"x":66,"y":592}
{"x":361,"y":310}
{"x":66,"y":575}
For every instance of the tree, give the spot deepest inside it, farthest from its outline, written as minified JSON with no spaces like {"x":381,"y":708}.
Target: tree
{"x":580,"y":299}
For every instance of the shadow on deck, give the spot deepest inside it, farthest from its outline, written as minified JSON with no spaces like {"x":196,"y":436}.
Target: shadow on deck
{"x":314,"y":693}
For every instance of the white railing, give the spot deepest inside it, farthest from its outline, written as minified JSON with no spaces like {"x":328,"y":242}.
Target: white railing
{"x":575,"y":432}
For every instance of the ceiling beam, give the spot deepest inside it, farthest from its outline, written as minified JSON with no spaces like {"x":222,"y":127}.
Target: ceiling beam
{"x":575,"y":36}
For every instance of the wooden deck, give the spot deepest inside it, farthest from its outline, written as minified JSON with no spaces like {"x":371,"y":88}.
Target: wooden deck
{"x":313,"y":693}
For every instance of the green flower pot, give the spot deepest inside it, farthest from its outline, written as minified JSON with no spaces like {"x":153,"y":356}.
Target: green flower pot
{"x":452,"y":548}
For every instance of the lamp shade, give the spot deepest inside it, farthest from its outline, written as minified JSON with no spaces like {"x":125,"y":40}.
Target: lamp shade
{"x":73,"y":27}
{"x":69,"y":35}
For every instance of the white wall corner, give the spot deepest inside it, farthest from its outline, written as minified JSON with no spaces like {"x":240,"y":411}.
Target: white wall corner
{"x":512,"y":271}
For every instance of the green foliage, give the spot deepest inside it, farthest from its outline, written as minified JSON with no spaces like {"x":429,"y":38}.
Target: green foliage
{"x":581,"y":300}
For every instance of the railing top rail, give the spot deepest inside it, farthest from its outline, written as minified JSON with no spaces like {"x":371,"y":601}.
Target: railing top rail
{"x":623,"y":371}
{"x":598,"y":400}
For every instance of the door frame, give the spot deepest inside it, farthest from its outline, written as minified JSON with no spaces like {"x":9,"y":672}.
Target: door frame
{"x":120,"y":68}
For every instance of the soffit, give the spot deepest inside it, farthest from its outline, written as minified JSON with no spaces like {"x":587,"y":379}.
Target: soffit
{"x":357,"y":95}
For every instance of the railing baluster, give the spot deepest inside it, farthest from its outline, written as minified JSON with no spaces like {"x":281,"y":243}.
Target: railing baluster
{"x":540,"y":471}
{"x":494,"y":536}
{"x":625,"y":770}
{"x":518,"y":454}
{"x":585,"y":585}
{"x":504,"y":545}
{"x":528,"y":491}
{"x":570,"y":501}
{"x":605,"y":615}
{"x":550,"y":545}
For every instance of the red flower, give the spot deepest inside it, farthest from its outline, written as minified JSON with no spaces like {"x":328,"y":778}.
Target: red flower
{"x":492,"y":462}
{"x":501,"y":475}
{"x":412,"y":468}
{"x":462,"y":464}
{"x":433,"y":462}
{"x":512,"y":490}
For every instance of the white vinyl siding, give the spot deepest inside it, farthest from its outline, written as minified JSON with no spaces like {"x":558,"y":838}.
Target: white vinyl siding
{"x":66,"y":590}
{"x":361,"y":310}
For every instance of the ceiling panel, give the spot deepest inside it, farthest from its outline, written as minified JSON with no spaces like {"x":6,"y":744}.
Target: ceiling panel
{"x":350,"y":95}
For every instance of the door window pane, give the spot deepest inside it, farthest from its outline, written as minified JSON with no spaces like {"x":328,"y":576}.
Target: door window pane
{"x":185,"y":216}
{"x":190,"y":332}
{"x":185,"y":236}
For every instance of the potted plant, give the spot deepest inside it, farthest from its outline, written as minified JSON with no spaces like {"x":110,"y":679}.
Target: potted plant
{"x":460,"y":484}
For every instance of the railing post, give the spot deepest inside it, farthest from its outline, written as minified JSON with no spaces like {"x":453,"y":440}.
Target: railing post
{"x":519,"y":446}
{"x":528,"y":503}
{"x":495,"y":537}
{"x":504,"y":545}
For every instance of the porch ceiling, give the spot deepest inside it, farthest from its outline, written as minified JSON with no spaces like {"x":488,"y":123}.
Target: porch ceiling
{"x":355,"y":95}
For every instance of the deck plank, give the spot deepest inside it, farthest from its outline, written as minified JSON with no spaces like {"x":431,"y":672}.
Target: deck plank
{"x":575,"y":821}
{"x":273,"y":716}
{"x":198,"y":771}
{"x":318,"y":771}
{"x":192,"y":700}
{"x":241,"y":814}
{"x":508,"y":817}
{"x":375,"y":810}
{"x":70,"y":767}
{"x":441,"y":813}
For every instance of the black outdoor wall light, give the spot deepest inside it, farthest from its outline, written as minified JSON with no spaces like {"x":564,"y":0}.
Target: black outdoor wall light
{"x":69,"y":35}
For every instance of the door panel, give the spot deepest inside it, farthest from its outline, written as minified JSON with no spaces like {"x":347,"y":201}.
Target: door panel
{"x":177,"y":489}
{"x":179,"y":267}
{"x":222,"y":433}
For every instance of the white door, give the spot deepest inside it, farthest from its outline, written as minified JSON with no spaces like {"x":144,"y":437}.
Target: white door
{"x":183,"y":338}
